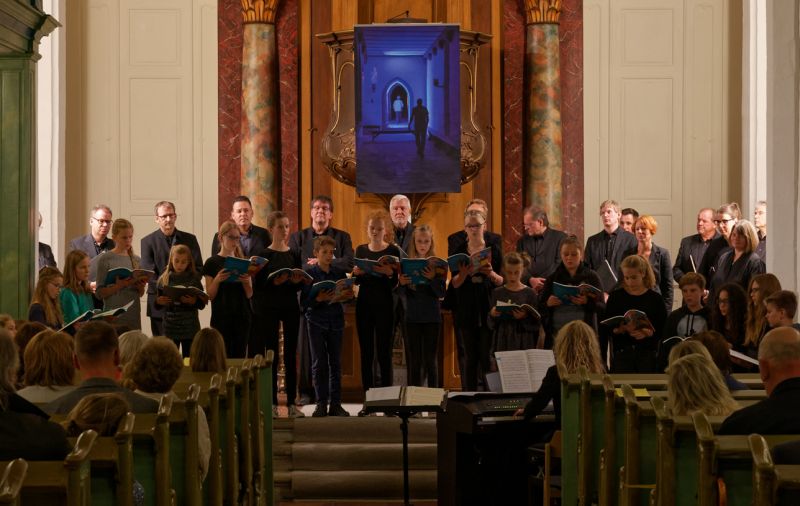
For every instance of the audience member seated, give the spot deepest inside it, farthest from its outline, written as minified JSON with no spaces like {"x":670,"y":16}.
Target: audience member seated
{"x":153,"y":372}
{"x":740,"y":263}
{"x":644,"y":229}
{"x":23,"y":336}
{"x":49,"y":368}
{"x":693,"y":383}
{"x":97,"y":357}
{"x":720,"y":351}
{"x":8,"y":323}
{"x":779,"y":367}
{"x":729,"y":313}
{"x":761,"y":287}
{"x":45,"y":306}
{"x":25,"y":431}
{"x":208,"y":352}
{"x":575,"y":347}
{"x":130,"y":343}
{"x":781,"y":307}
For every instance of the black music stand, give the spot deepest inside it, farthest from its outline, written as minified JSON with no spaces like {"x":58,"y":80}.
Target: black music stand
{"x":404,"y":412}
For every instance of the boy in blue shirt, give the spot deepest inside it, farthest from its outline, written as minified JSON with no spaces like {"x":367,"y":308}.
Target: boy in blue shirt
{"x":325,"y":329}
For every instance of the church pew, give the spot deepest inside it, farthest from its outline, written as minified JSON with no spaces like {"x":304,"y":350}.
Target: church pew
{"x":261,"y":423}
{"x":770,"y":479}
{"x":183,"y":449}
{"x":725,"y":465}
{"x":243,"y":415}
{"x":11,"y":482}
{"x":65,"y":481}
{"x":151,"y":450}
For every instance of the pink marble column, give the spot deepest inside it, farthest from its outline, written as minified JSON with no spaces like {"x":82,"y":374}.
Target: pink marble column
{"x":260,"y":149}
{"x":543,"y":156}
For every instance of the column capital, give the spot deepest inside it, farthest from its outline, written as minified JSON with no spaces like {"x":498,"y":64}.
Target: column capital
{"x":259,"y":11}
{"x":542,"y":11}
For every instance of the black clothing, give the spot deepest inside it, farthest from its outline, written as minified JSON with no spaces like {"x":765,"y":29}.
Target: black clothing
{"x":740,"y":271}
{"x":550,"y":390}
{"x":155,"y":257}
{"x":303,"y":241}
{"x":46,"y":258}
{"x":86,"y":244}
{"x":375,"y":318}
{"x":777,"y":414}
{"x":36,"y":314}
{"x":545,"y":253}
{"x":761,"y":248}
{"x":593,"y":307}
{"x":662,"y":268}
{"x":421,"y":302}
{"x":421,"y":347}
{"x":692,"y":249}
{"x":684,"y":323}
{"x":402,"y":237}
{"x":457,"y":240}
{"x":230,"y":310}
{"x":602,"y":247}
{"x":66,"y":402}
{"x":180,"y":321}
{"x":31,"y":437}
{"x":257,"y":239}
{"x":631,"y":355}
{"x":716,"y":247}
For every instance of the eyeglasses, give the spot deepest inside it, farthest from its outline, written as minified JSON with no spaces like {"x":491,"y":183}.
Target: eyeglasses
{"x":102,"y":222}
{"x":55,"y":285}
{"x":326,"y":209}
{"x":717,"y":222}
{"x":232,"y":237}
{"x":170,"y":216}
{"x":474,"y":225}
{"x":722,"y":302}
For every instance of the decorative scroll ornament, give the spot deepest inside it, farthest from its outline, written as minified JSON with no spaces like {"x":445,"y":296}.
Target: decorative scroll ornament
{"x":259,"y":11}
{"x":542,"y":11}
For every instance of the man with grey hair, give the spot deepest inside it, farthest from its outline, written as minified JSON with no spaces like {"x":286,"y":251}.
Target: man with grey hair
{"x":97,"y":241}
{"x":400,"y":210}
{"x":542,"y":244}
{"x":779,"y":367}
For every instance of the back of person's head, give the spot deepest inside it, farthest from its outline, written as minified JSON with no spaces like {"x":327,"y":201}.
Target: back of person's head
{"x":9,"y":363}
{"x":640,"y":264}
{"x":48,"y":360}
{"x":784,"y":300}
{"x":718,"y":348}
{"x":6,"y":321}
{"x":101,"y":413}
{"x":25,"y":333}
{"x":781,"y":348}
{"x":694,"y":384}
{"x":687,"y":348}
{"x":208,"y":351}
{"x":576,"y":346}
{"x":96,"y":343}
{"x":130,"y":343}
{"x":156,"y":367}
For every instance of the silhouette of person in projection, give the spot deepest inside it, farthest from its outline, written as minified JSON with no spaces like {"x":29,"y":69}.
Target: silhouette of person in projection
{"x":419,"y":116}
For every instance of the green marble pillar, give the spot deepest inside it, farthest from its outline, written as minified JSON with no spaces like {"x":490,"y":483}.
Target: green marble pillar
{"x":260,"y":135}
{"x":543,"y":158}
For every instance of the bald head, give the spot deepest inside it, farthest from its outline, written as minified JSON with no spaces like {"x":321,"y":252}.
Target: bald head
{"x":779,"y":357}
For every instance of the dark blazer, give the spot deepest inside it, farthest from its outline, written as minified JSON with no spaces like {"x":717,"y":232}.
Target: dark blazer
{"x":595,"y":254}
{"x":777,"y":414}
{"x":545,"y":253}
{"x":155,"y":249}
{"x":259,"y":240}
{"x":457,"y":240}
{"x":716,"y":247}
{"x":662,"y":268}
{"x":303,"y":241}
{"x":46,"y":258}
{"x":65,"y":403}
{"x":31,"y":437}
{"x":406,"y":240}
{"x":86,"y":244}
{"x":741,"y":271}
{"x":691,"y":246}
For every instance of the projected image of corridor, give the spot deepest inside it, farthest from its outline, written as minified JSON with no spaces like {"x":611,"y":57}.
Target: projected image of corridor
{"x":408,"y":115}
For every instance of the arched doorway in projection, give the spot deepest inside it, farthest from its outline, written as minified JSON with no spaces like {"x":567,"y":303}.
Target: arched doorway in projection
{"x":396,"y":105}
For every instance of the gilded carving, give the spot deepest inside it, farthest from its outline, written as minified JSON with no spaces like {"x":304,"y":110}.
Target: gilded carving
{"x":259,"y":11}
{"x":542,"y":11}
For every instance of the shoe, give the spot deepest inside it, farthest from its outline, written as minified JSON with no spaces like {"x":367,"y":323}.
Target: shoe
{"x":336,"y":409}
{"x":294,"y":412}
{"x":363,"y":412}
{"x":304,"y":400}
{"x":320,"y":410}
{"x":275,"y":413}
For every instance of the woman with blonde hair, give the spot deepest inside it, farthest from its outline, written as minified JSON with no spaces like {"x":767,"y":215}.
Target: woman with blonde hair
{"x":45,"y":305}
{"x":634,"y":342}
{"x":49,"y":367}
{"x":122,"y":290}
{"x":695,"y":384}
{"x":575,"y":347}
{"x":740,"y":263}
{"x":761,"y":287}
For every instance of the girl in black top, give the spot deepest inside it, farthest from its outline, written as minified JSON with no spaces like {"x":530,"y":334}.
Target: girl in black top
{"x":230,"y":304}
{"x":729,"y":314}
{"x":46,"y":305}
{"x":374,"y":306}
{"x":634,"y":348}
{"x":473,"y":287}
{"x":275,"y":301}
{"x":586,"y":307}
{"x":181,"y":321}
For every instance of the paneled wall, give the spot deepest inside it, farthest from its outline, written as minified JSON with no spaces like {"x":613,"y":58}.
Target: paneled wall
{"x":662,"y":95}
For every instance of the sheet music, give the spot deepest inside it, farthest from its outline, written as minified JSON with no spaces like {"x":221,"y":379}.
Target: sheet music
{"x":742,"y":356}
{"x":384,"y":394}
{"x":515,"y":375}
{"x":539,"y":361}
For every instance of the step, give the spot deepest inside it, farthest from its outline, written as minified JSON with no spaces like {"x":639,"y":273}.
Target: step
{"x":348,"y":485}
{"x":361,"y":457}
{"x":369,"y":429}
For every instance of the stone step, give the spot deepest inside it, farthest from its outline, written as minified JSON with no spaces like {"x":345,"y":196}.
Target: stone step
{"x":361,"y":457}
{"x":362,"y":485}
{"x":370,"y":429}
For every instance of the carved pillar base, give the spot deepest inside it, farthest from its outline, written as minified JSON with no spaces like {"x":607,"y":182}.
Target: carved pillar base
{"x":260,"y":129}
{"x":543,"y":156}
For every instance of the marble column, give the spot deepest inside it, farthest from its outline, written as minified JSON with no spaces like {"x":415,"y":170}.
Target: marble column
{"x":21,"y":28}
{"x":543,"y":156}
{"x":260,"y":148}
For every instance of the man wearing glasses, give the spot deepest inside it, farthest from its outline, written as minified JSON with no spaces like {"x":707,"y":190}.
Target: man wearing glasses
{"x":252,"y":238}
{"x":155,"y":249}
{"x":97,"y":241}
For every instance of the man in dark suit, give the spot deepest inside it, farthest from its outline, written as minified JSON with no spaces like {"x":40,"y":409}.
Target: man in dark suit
{"x":97,"y":241}
{"x":542,"y":244}
{"x":400,"y":210}
{"x":606,"y":249}
{"x":252,"y":238}
{"x":458,"y":239}
{"x":693,"y":248}
{"x":155,"y":249}
{"x":779,"y":367}
{"x":303,"y":241}
{"x":46,"y":258}
{"x":97,"y":358}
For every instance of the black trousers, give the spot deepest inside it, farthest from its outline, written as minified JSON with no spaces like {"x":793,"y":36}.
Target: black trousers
{"x":374,"y":321}
{"x":476,"y":342}
{"x":422,"y":343}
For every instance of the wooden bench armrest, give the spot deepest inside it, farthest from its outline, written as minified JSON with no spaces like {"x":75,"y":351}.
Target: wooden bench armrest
{"x":12,"y":479}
